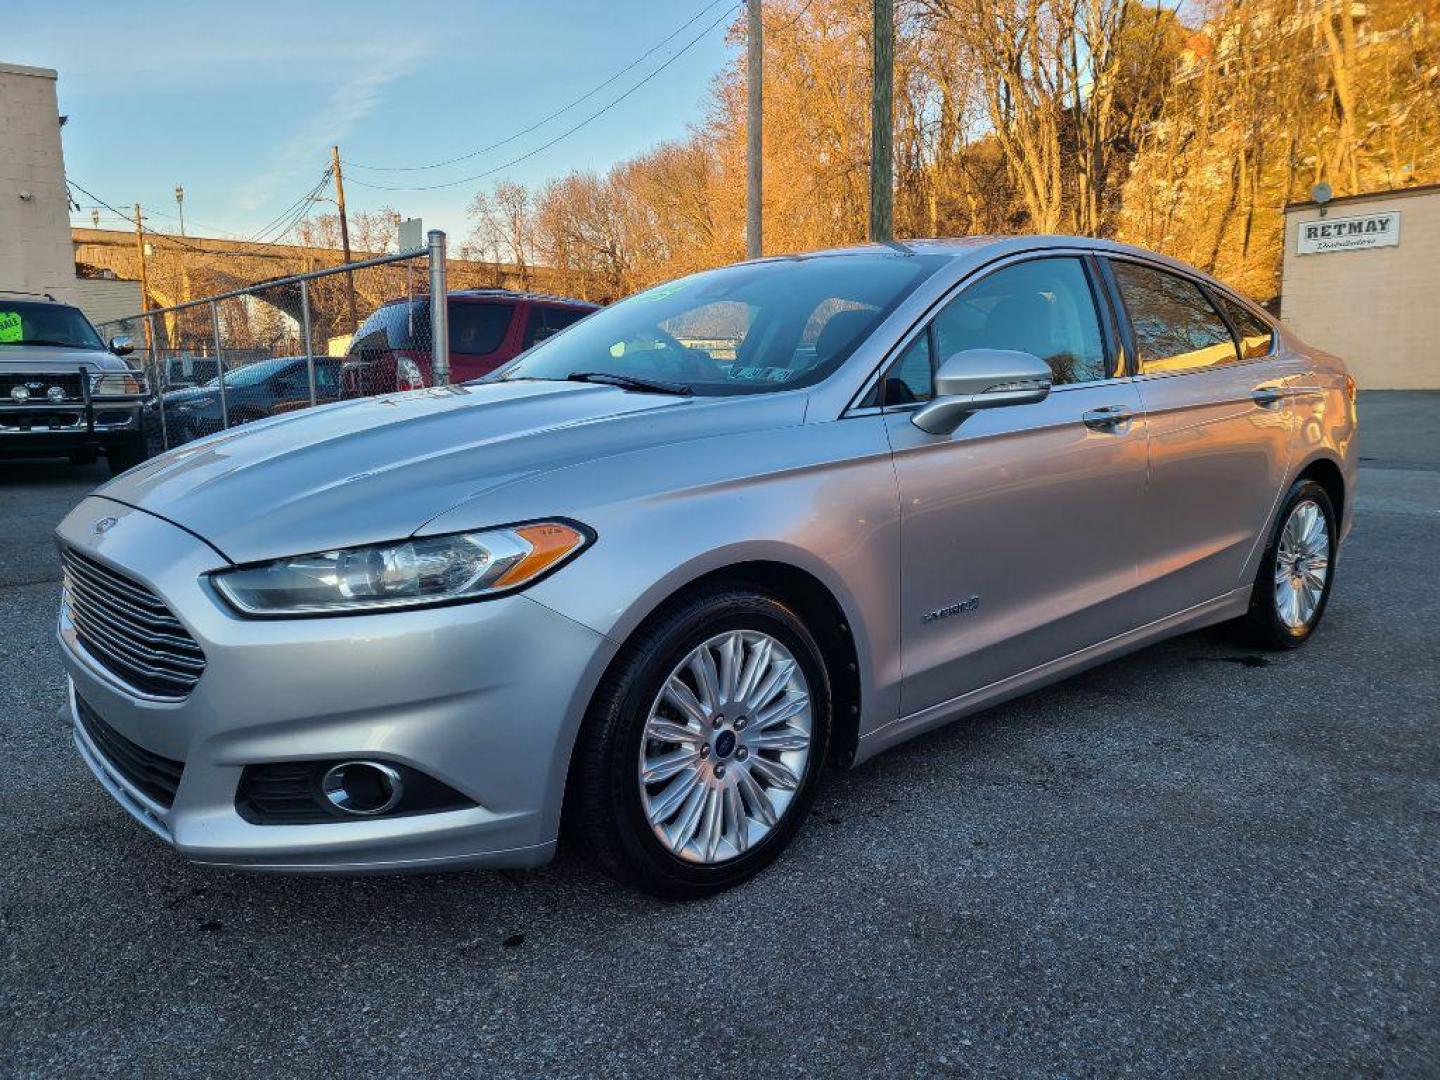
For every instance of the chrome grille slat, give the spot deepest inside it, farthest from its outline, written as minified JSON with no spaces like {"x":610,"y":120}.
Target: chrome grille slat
{"x":128,"y":630}
{"x":141,"y":654}
{"x":122,"y":612}
{"x":146,"y":600}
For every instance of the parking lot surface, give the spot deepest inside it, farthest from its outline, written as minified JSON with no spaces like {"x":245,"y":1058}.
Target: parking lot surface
{"x":1192,"y":860}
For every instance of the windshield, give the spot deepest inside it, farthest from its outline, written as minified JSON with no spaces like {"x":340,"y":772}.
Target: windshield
{"x":251,"y":374}
{"x":743,"y":329}
{"x":26,"y":323}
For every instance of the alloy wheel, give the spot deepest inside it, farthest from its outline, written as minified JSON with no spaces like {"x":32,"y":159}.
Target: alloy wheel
{"x":725,"y":746}
{"x":1302,"y":565}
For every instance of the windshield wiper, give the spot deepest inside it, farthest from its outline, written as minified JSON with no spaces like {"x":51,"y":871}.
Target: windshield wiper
{"x":630,"y":382}
{"x":46,"y":341}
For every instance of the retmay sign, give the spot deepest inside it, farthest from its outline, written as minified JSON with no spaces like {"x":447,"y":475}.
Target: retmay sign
{"x":1349,"y":233}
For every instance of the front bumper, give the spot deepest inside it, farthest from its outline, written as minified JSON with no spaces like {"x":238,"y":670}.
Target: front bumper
{"x":68,"y":425}
{"x":485,"y":697}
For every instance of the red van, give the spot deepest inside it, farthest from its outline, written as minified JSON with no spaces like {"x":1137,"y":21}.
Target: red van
{"x":488,"y":327}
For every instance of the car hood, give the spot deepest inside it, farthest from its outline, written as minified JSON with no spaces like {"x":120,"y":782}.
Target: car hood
{"x":188,"y":393}
{"x":377,"y":469}
{"x":24,"y":359}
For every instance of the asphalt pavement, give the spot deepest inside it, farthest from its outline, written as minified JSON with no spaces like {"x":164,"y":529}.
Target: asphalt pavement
{"x":1194,"y":860}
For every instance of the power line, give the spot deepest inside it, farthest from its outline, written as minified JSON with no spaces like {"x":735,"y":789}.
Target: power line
{"x":564,"y":134}
{"x":545,"y":120}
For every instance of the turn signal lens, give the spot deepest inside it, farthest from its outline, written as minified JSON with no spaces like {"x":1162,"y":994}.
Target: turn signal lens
{"x":549,"y":543}
{"x":409,"y":573}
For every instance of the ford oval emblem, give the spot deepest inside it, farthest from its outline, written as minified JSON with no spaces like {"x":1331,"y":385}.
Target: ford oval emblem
{"x":105,"y":524}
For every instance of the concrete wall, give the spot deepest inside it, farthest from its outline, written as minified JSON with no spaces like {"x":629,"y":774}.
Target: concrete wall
{"x":1378,"y":308}
{"x":35,"y":250}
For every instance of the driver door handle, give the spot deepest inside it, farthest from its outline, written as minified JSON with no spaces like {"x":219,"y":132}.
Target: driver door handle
{"x":1268,"y":395}
{"x":1110,"y":418}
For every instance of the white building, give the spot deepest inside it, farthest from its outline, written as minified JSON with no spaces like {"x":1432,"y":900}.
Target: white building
{"x":35,"y":249}
{"x":1362,"y":280}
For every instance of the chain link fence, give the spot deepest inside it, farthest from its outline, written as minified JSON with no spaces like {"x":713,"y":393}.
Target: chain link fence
{"x":274,"y":347}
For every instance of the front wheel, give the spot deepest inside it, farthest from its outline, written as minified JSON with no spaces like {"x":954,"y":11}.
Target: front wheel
{"x":703,"y":750}
{"x":1292,"y":587}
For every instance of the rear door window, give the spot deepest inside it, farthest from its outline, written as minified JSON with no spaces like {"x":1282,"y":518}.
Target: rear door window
{"x":1176,"y":327}
{"x":1256,"y":335}
{"x":477,"y":329}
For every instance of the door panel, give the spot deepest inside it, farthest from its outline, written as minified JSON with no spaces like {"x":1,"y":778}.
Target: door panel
{"x":1033,"y":514}
{"x":1220,"y":436}
{"x":1218,"y":457}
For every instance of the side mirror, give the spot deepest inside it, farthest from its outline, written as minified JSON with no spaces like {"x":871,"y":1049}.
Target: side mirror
{"x":982,"y":379}
{"x":122,"y":345}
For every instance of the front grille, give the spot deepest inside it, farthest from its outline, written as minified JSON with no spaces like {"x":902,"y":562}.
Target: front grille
{"x":129,"y":630}
{"x":39,"y":385}
{"x":158,"y":777}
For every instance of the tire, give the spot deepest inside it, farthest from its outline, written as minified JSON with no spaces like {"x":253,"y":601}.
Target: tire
{"x":610,"y":810}
{"x":126,"y":455}
{"x":84,"y":457}
{"x":1271,"y":623}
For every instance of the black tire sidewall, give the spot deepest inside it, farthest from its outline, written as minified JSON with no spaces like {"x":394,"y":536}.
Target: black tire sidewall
{"x":688,"y":627}
{"x":1264,"y":614}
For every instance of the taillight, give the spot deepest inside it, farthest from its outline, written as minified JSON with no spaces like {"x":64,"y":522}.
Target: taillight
{"x":408,"y":375}
{"x":1351,"y":388}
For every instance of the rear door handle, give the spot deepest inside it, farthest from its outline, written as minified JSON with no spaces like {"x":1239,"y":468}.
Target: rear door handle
{"x":1111,"y":418}
{"x":1267,"y":397}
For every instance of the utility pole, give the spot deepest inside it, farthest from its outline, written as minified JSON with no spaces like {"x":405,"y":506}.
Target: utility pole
{"x":882,"y":123}
{"x":344,"y":237}
{"x":754,"y":127}
{"x":180,"y":202}
{"x":144,"y":282}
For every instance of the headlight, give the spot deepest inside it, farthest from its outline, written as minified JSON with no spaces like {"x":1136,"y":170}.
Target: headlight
{"x":196,"y":403}
{"x":409,"y":573}
{"x":117,"y":385}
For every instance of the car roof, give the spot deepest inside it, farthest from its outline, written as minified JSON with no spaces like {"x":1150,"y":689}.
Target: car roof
{"x":485,"y":295}
{"x":34,"y":297}
{"x":983,"y":248}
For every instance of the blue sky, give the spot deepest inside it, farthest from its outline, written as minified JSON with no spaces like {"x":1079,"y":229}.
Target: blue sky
{"x":240,"y":103}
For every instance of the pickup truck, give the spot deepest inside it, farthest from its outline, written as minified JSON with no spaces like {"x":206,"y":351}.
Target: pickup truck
{"x":64,"y":392}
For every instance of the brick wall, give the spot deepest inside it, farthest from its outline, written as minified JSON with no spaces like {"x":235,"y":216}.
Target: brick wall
{"x":1377,"y":308}
{"x":35,"y":249}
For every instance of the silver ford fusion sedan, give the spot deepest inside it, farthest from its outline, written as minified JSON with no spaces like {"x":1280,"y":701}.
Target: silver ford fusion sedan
{"x":648,"y":579}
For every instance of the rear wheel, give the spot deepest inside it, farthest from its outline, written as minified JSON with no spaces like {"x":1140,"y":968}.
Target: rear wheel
{"x":1292,"y":587}
{"x":126,"y":455}
{"x":703,"y":751}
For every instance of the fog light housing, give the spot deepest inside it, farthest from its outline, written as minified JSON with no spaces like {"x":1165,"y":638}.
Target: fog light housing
{"x":327,"y":791}
{"x":363,"y":788}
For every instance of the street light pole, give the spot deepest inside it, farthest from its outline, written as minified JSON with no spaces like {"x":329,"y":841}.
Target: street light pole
{"x":180,"y":202}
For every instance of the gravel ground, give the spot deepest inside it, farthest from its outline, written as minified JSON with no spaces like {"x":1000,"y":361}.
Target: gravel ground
{"x":1193,"y":860}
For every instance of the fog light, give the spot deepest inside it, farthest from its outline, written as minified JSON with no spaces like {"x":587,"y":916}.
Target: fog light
{"x":55,"y":393}
{"x":19,"y":393}
{"x":365,"y":788}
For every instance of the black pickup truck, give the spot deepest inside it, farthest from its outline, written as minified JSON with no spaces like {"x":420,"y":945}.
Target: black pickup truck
{"x":63,"y":391}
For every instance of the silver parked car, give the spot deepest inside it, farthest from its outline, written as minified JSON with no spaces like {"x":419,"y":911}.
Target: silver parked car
{"x":651,"y":576}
